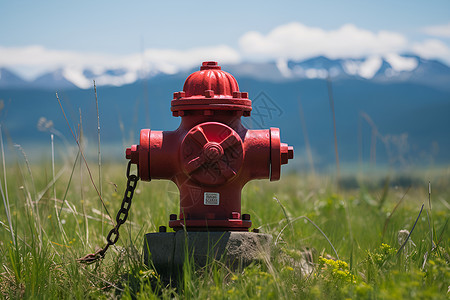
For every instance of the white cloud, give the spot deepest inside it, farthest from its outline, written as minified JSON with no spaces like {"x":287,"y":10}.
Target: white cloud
{"x":172,"y":61}
{"x":40,"y":56}
{"x":37,"y":59}
{"x":439,"y":30}
{"x":290,"y":41}
{"x":297,"y":41}
{"x":432,"y":49}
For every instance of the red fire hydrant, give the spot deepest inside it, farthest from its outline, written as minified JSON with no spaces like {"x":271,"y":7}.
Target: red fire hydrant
{"x":211,"y":156}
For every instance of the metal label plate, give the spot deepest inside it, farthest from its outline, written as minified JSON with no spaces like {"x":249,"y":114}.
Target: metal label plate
{"x":211,"y":198}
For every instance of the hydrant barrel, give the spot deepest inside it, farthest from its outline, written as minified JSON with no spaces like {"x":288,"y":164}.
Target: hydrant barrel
{"x":211,"y":155}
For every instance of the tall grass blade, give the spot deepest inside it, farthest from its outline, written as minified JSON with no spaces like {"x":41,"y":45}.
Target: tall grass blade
{"x":314,"y":224}
{"x":85,"y":161}
{"x":430,"y":227}
{"x":330,"y":97}
{"x":285,"y":214}
{"x":99,"y":154}
{"x":70,"y":180}
{"x":5,"y":194}
{"x":374,"y":135}
{"x":360,"y":143}
{"x":385,"y":193}
{"x":34,"y":207}
{"x":410,"y":232}
{"x":429,"y":218}
{"x":27,"y":163}
{"x":49,"y":185}
{"x":350,"y":231}
{"x":306,"y":138}
{"x":8,"y":216}
{"x":430,"y":230}
{"x":442,"y":233}
{"x":392,"y":212}
{"x":53,"y":170}
{"x":429,"y":194}
{"x":80,"y":138}
{"x":61,"y":228}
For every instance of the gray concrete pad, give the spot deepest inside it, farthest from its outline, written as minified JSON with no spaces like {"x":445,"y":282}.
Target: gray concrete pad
{"x":159,"y":248}
{"x":167,"y":251}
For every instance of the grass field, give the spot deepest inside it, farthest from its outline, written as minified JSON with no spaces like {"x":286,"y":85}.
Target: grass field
{"x":361,"y":219}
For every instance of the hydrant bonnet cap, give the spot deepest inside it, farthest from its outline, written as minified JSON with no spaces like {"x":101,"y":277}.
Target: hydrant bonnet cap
{"x":210,"y":88}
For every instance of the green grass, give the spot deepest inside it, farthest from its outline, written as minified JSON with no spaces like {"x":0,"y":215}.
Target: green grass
{"x":41,"y":261}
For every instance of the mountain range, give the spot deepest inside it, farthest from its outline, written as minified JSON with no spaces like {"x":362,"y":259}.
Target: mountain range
{"x":388,"y":68}
{"x":389,"y":110}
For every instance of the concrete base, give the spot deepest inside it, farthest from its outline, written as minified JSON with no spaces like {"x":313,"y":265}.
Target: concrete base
{"x":167,"y":251}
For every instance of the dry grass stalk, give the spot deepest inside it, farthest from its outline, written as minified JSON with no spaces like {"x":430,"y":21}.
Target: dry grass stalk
{"x":85,"y":161}
{"x":330,"y":96}
{"x":99,"y":153}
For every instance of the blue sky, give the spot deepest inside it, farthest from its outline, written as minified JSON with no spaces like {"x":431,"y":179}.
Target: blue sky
{"x":40,"y":35}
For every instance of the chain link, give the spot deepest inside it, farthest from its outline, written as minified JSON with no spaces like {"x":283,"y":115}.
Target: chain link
{"x":121,"y":217}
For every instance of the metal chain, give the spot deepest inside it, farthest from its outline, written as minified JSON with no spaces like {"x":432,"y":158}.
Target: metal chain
{"x":121,"y":217}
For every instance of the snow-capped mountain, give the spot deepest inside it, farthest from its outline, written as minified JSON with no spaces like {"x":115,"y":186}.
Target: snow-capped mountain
{"x":9,"y":79}
{"x":382,"y":69}
{"x":57,"y":78}
{"x":367,"y":68}
{"x":83,"y":78}
{"x":388,"y":68}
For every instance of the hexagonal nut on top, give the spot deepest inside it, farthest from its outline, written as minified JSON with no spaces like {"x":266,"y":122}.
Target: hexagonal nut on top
{"x":210,"y":65}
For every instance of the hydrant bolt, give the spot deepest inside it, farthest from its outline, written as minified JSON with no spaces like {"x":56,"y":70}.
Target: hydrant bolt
{"x":235,"y":215}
